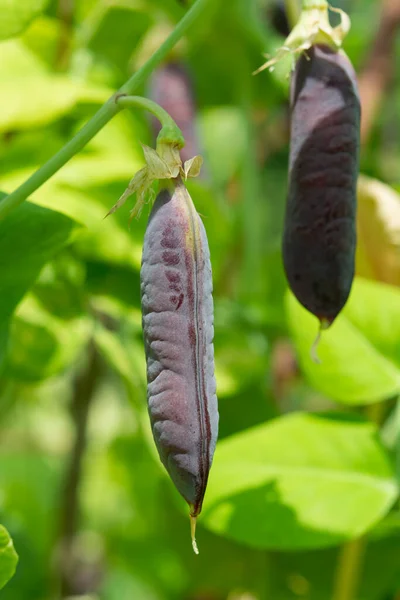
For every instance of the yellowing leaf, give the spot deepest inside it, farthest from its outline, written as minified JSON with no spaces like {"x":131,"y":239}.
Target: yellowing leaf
{"x":378,"y":230}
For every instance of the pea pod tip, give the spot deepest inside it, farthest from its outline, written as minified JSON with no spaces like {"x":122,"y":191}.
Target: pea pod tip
{"x":323,"y":325}
{"x":193,"y":523}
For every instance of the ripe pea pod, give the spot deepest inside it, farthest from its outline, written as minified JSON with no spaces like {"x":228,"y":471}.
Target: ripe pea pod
{"x":177,"y":308}
{"x":320,"y":225}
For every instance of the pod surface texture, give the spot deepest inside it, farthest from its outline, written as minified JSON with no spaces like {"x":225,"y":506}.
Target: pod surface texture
{"x":319,"y":240}
{"x":177,"y":308}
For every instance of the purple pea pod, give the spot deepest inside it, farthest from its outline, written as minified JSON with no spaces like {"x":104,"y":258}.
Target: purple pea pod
{"x":177,"y":309}
{"x":320,"y":225}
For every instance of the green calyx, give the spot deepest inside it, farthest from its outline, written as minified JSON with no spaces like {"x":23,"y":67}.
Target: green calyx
{"x":313,"y":27}
{"x":162,"y":163}
{"x":171,"y":134}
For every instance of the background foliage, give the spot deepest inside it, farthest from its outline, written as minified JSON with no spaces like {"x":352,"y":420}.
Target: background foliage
{"x":305,"y":477}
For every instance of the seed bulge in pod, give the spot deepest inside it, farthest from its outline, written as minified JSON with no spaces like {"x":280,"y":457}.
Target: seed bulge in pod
{"x":177,"y":309}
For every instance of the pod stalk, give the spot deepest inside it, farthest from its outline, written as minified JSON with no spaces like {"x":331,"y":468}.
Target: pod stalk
{"x":323,"y":325}
{"x":193,"y":523}
{"x":313,"y":27}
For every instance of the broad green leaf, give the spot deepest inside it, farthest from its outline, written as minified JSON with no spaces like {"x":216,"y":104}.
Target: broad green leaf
{"x":16,"y":15}
{"x":301,"y":481}
{"x":29,"y":237}
{"x":103,"y":239}
{"x":378,"y":231}
{"x":374,"y":308}
{"x":8,"y":557}
{"x":352,"y":369}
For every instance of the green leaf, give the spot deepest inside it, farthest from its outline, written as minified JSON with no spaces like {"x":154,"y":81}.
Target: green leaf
{"x":8,"y":557}
{"x":374,"y":308}
{"x":308,"y":575}
{"x":16,"y":15}
{"x":125,"y":357}
{"x":34,"y":101}
{"x":29,"y":237}
{"x":41,"y":344}
{"x":117,"y":29}
{"x":31,"y":96}
{"x":220,"y":126}
{"x":301,"y":481}
{"x":353,"y":370}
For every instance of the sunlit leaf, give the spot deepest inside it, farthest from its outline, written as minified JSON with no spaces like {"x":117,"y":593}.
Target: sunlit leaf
{"x":374,"y":308}
{"x":8,"y":557}
{"x":352,"y":369}
{"x":31,"y":96}
{"x":29,"y":237}
{"x":16,"y":15}
{"x":300,"y":481}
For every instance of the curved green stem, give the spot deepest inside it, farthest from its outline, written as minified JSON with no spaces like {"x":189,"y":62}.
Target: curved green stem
{"x":153,"y":107}
{"x":102,"y":117}
{"x":170,"y":131}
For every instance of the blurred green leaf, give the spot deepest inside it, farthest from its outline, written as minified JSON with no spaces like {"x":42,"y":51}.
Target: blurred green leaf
{"x":225,"y":135}
{"x":117,"y":29}
{"x":311,"y":574}
{"x":33,"y":101}
{"x":41,"y":344}
{"x":8,"y":557}
{"x":29,"y":237}
{"x":125,"y":357}
{"x":374,"y":308}
{"x":301,"y":481}
{"x":30,"y":486}
{"x":42,"y":38}
{"x":16,"y":15}
{"x":353,"y":369}
{"x":31,"y":95}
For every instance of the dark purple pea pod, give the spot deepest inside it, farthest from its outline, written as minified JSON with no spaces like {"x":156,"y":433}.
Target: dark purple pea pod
{"x":177,"y":308}
{"x":319,"y":240}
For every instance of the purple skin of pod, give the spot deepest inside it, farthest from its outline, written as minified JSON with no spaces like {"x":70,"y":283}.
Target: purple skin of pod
{"x":177,"y":308}
{"x":319,"y":240}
